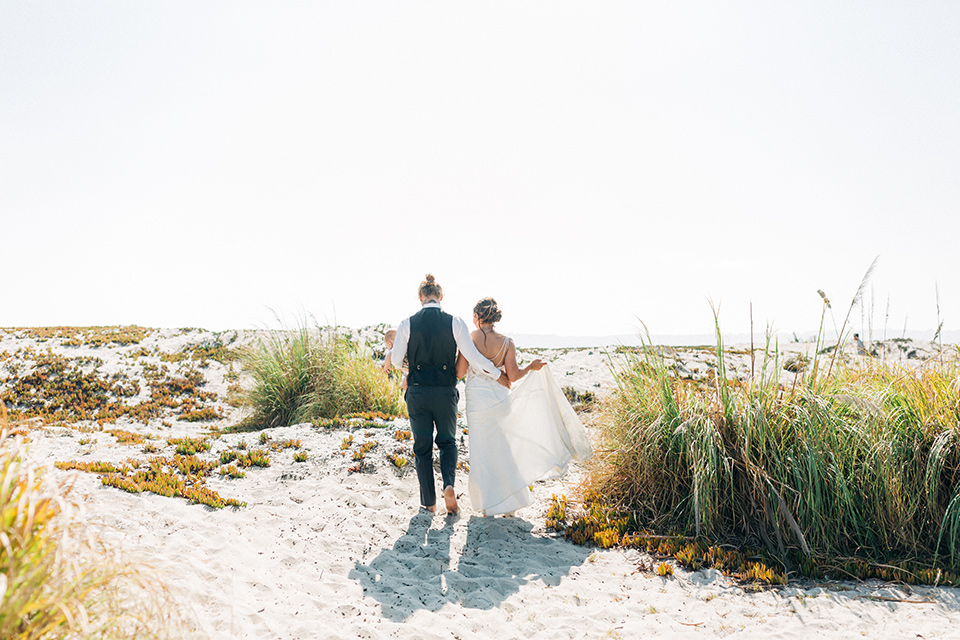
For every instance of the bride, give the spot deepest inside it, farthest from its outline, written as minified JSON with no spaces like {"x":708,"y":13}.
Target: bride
{"x":516,"y":437}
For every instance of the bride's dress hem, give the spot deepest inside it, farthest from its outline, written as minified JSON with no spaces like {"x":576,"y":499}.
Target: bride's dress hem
{"x":518,"y":438}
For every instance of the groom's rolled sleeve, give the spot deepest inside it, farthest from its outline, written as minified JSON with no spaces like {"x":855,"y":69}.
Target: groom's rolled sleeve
{"x":469,"y":350}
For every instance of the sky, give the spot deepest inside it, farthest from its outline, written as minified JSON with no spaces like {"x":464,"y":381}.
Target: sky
{"x":591,"y":166}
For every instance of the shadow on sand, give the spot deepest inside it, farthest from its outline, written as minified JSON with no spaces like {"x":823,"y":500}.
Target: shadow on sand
{"x":500,"y":556}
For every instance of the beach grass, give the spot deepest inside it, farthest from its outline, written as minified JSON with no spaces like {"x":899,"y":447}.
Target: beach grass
{"x":847,"y":467}
{"x":57,"y":580}
{"x":301,"y":375}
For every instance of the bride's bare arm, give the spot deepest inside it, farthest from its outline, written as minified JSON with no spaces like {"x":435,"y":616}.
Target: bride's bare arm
{"x":462,"y":365}
{"x":513,"y":371}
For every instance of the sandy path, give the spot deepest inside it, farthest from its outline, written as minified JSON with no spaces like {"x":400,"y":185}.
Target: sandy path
{"x":319,"y":552}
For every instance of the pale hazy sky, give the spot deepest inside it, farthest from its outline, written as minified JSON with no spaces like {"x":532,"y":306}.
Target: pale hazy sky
{"x":587,"y":164}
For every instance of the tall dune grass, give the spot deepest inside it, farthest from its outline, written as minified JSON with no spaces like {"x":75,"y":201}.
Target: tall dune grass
{"x":56,"y":579}
{"x":861,"y":462}
{"x":300,"y":375}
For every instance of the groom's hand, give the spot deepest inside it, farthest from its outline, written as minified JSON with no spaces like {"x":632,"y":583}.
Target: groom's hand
{"x":504,"y":380}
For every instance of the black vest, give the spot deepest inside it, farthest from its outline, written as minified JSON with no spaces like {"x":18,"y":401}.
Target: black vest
{"x":432,"y":349}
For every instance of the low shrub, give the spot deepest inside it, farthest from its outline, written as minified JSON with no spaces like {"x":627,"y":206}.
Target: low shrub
{"x":850,"y":466}
{"x":300,"y":376}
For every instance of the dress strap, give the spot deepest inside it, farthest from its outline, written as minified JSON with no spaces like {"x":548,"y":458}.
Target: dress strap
{"x":501,"y":354}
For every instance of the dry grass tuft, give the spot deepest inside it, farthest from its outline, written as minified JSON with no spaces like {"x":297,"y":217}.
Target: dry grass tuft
{"x":58,"y":580}
{"x":300,"y":376}
{"x":849,"y":470}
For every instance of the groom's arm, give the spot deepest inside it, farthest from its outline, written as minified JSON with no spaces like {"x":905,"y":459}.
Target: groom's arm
{"x":399,"y":351}
{"x":469,"y":350}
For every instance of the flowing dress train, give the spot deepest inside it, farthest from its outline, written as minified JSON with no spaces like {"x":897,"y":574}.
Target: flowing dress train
{"x":518,"y":437}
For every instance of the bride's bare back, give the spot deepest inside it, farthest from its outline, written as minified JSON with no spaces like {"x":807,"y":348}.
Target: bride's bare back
{"x":492,"y":345}
{"x":498,"y":348}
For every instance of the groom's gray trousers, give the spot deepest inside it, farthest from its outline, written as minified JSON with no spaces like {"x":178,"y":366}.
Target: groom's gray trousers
{"x":433,"y":409}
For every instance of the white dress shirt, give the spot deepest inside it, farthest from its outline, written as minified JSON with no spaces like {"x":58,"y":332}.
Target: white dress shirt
{"x":461,"y":333}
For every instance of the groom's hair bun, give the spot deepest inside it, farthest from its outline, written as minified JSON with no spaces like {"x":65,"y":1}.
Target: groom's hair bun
{"x":429,"y":287}
{"x":487,"y":311}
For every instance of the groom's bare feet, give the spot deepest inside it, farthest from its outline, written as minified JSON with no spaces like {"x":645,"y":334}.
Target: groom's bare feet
{"x":432,"y":508}
{"x":450,"y":501}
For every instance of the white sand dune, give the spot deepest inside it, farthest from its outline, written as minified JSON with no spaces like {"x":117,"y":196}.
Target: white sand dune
{"x":319,"y":552}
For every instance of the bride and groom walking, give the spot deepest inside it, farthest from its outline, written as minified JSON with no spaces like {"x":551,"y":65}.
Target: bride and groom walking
{"x":516,"y":437}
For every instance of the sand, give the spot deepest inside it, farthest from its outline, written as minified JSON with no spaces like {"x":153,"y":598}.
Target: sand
{"x":319,"y":552}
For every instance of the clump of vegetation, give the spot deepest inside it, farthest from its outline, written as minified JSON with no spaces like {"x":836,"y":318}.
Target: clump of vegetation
{"x":360,"y":452}
{"x":204,"y":413}
{"x":299,"y":376}
{"x":370,"y":417}
{"x":796,"y":363}
{"x":96,"y":466}
{"x":397,"y":459}
{"x":232,"y":471}
{"x":402,"y":434}
{"x":89,"y":336}
{"x":848,"y":471}
{"x":129,"y":437}
{"x":190,"y":446}
{"x":122,"y":336}
{"x":59,"y":389}
{"x":182,"y":476}
{"x":291,"y":443}
{"x":235,"y":396}
{"x":55,"y":388}
{"x":300,"y":456}
{"x":215,"y":349}
{"x":253,"y":458}
{"x":362,"y":466}
{"x":580,"y":401}
{"x":188,"y":465}
{"x":347,"y":443}
{"x":57,"y":580}
{"x":328,"y":423}
{"x":179,"y":392}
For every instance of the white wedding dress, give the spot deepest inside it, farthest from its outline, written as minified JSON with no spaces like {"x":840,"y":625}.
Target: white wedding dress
{"x":518,"y":437}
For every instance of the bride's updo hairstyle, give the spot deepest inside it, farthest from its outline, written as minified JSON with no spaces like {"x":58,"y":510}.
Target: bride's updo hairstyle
{"x":487,"y":311}
{"x":429,"y":288}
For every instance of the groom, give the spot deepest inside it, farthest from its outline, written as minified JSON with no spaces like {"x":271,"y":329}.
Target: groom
{"x":430,"y":340}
